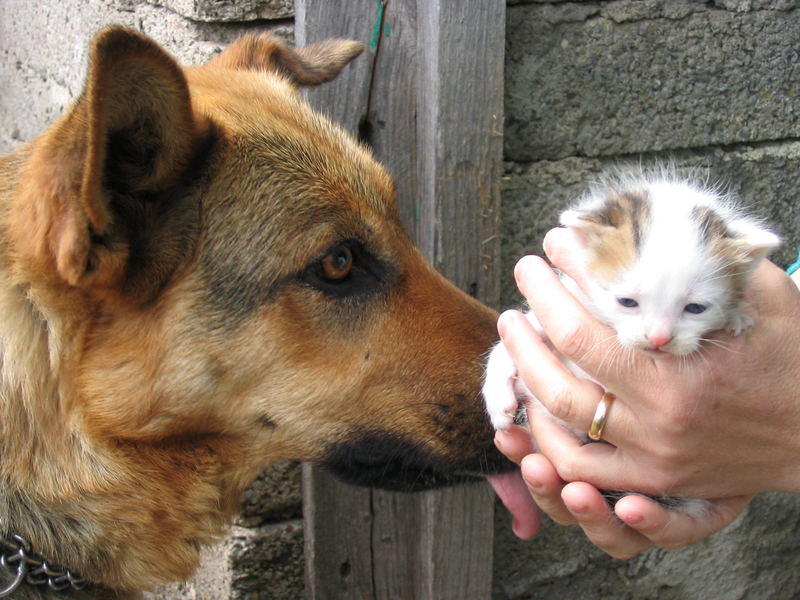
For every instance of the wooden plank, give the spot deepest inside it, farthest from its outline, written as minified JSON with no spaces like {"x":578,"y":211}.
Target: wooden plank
{"x":432,"y":112}
{"x":346,"y":99}
{"x":396,"y":545}
{"x":338,"y":555}
{"x":379,"y":109}
{"x":459,"y":121}
{"x":456,"y":532}
{"x":330,"y":541}
{"x":391,"y":117}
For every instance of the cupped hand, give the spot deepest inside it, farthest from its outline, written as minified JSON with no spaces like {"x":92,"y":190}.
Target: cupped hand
{"x":720,"y":423}
{"x":640,"y":523}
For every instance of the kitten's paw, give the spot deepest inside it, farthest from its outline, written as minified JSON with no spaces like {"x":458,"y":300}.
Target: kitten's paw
{"x":696,"y":508}
{"x":501,"y":404}
{"x":499,"y":388}
{"x":739,"y":322}
{"x":501,"y":421}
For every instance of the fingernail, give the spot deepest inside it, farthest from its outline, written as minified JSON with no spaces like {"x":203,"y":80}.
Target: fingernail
{"x":502,"y":433}
{"x":631,"y":518}
{"x":504,"y":322}
{"x":522,"y":266}
{"x":579,"y":509}
{"x":534,"y":484}
{"x":552,"y":238}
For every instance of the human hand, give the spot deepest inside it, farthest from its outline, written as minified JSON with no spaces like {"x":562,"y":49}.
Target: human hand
{"x":642,"y":522}
{"x":739,"y":389}
{"x":717,"y":424}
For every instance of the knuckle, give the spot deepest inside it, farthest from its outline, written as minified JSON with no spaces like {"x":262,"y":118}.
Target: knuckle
{"x":678,"y":418}
{"x":619,"y":546}
{"x":572,"y":340}
{"x":568,"y":470}
{"x":669,"y":458}
{"x":562,"y":405}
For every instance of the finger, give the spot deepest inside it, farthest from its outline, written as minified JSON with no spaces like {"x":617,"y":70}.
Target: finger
{"x":769,"y":287}
{"x":595,"y":517}
{"x":769,"y":291}
{"x":562,"y":249}
{"x":545,"y":487}
{"x":603,"y":465}
{"x":569,"y":398}
{"x":515,"y":443}
{"x":672,"y":529}
{"x":567,"y":323}
{"x":768,"y":276}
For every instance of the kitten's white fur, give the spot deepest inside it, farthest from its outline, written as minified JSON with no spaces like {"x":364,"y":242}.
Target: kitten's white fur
{"x":675,"y":267}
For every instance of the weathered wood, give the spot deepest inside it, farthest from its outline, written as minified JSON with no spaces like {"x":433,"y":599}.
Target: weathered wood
{"x":456,"y":538}
{"x":459,"y":123}
{"x":428,"y":98}
{"x":338,"y":554}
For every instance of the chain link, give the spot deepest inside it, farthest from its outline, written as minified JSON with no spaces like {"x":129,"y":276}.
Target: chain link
{"x":27,"y":566}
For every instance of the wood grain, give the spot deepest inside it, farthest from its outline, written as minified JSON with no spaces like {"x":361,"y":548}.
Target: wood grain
{"x":427,"y":97}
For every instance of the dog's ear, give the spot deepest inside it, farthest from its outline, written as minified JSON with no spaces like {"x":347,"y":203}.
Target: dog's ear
{"x":310,"y":65}
{"x":130,"y":134}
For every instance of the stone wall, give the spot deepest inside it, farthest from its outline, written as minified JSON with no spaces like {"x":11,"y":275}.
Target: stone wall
{"x":708,"y":84}
{"x":43,"y":46}
{"x":711,"y":85}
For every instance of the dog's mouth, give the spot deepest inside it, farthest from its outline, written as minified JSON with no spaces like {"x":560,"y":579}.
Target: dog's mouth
{"x":393,"y":463}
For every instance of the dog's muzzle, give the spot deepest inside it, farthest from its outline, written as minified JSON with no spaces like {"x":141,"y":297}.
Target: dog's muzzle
{"x":392,"y":463}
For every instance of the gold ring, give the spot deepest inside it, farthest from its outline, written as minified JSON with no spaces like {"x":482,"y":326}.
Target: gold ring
{"x":600,"y":416}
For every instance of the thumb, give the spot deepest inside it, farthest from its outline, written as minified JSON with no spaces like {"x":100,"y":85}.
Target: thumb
{"x":564,"y":251}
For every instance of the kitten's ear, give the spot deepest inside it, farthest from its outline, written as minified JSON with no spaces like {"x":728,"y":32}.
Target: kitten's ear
{"x":587,"y":225}
{"x":752,"y":241}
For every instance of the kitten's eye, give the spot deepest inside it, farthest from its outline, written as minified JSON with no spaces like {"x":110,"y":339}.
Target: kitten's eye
{"x":694,"y":308}
{"x":336,"y":265}
{"x":628,"y":302}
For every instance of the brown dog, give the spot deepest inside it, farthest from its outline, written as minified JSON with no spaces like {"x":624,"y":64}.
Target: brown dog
{"x":200,"y":276}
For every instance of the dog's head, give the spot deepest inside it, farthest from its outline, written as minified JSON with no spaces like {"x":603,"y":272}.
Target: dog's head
{"x":232,"y":272}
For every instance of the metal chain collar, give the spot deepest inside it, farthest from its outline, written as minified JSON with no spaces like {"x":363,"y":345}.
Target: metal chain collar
{"x":27,"y":566}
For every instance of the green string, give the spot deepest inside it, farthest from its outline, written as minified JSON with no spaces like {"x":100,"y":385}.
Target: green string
{"x":794,"y":266}
{"x":376,"y":29}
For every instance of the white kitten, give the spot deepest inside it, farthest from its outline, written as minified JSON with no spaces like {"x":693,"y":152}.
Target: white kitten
{"x":665,"y":262}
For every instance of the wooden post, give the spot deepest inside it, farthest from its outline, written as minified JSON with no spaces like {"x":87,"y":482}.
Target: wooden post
{"x":428,"y":98}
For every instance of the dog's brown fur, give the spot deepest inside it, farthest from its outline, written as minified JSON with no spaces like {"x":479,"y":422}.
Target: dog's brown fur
{"x":167,"y":328}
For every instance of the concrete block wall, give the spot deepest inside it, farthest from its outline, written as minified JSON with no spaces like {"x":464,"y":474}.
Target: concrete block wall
{"x":43,"y":45}
{"x":714,"y":85}
{"x":708,"y":84}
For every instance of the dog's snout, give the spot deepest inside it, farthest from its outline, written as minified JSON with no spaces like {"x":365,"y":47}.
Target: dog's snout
{"x":383,"y":460}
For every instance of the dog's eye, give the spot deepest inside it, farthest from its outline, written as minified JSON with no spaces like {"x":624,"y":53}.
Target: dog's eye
{"x":628,"y":302}
{"x":337,"y":264}
{"x":346,"y":269}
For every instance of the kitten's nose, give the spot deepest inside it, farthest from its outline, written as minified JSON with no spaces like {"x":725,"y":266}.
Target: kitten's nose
{"x":659,"y":339}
